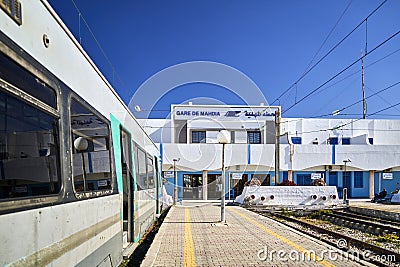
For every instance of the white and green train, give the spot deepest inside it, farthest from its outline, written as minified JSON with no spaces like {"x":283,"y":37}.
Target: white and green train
{"x":79,"y":178}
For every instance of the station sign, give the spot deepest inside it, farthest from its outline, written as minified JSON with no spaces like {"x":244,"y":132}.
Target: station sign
{"x":102,"y":183}
{"x":316,"y":175}
{"x":224,"y":113}
{"x":387,"y":175}
{"x":236,"y":176}
{"x":169,"y":174}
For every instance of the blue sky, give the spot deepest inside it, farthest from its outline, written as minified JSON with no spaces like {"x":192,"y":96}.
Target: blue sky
{"x":271,"y":42}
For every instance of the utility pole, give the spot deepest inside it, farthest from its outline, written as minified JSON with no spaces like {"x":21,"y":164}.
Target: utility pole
{"x":175,"y":182}
{"x":362,"y":87}
{"x":277,"y":143}
{"x":223,"y":138}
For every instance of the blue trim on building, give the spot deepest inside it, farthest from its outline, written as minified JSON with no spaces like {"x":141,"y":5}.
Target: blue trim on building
{"x":248,"y":153}
{"x":333,"y":155}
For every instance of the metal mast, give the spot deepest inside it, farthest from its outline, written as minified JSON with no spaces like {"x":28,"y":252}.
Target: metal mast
{"x":362,"y":87}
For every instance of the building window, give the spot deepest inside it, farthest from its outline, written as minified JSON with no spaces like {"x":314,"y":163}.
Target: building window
{"x":371,"y":141}
{"x":332,"y":141}
{"x":345,"y":141}
{"x":358,"y":180}
{"x":254,"y":137}
{"x":198,"y":136}
{"x":296,"y":140}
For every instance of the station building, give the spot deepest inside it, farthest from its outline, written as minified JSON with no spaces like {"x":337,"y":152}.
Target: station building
{"x":360,"y":155}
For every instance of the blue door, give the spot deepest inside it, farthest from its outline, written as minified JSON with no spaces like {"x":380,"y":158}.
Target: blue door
{"x":303,"y":179}
{"x":347,"y":182}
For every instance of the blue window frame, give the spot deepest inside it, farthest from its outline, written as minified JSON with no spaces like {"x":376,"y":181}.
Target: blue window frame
{"x":198,"y":136}
{"x":254,"y":137}
{"x":345,"y":141}
{"x":358,"y":180}
{"x":296,"y":140}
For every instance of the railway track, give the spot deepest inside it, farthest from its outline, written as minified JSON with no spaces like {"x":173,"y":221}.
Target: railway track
{"x":362,"y":223}
{"x":364,"y":217}
{"x":374,"y":254}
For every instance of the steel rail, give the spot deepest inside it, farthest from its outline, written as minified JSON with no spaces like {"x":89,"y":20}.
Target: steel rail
{"x":367,"y":223}
{"x":365,"y":217}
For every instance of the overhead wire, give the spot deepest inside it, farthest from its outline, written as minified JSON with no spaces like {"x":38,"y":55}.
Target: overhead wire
{"x":329,"y":114}
{"x":329,"y":52}
{"x":327,"y":37}
{"x":383,"y":99}
{"x":94,"y":37}
{"x":351,"y":122}
{"x":380,"y":91}
{"x":358,"y":71}
{"x":344,"y":108}
{"x":340,"y":72}
{"x":114,"y":72}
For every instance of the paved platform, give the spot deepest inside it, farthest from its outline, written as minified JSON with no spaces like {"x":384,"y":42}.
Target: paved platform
{"x":366,"y":203}
{"x":191,"y":235}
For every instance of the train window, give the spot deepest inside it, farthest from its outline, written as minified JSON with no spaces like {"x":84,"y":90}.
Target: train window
{"x":24,"y":80}
{"x":91,"y":150}
{"x":150,"y":171}
{"x":29,"y":158}
{"x":141,"y":177}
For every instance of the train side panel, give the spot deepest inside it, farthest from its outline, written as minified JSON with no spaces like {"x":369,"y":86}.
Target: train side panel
{"x":61,"y":235}
{"x":71,"y":226}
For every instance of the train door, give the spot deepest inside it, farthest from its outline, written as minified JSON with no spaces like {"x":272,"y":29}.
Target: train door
{"x":237,"y":183}
{"x":127,"y":180}
{"x":192,"y":186}
{"x":347,"y":182}
{"x":213,"y":186}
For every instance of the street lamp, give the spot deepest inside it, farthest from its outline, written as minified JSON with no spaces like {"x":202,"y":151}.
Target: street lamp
{"x":175,"y":181}
{"x":223,"y":138}
{"x":344,"y":180}
{"x":81,"y":145}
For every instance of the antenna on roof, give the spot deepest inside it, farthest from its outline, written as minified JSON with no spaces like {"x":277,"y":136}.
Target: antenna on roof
{"x":362,"y":87}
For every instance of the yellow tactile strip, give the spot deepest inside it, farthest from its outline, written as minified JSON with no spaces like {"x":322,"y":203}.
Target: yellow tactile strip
{"x":189,"y":258}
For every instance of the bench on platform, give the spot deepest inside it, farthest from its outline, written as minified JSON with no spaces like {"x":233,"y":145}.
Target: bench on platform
{"x":386,"y":200}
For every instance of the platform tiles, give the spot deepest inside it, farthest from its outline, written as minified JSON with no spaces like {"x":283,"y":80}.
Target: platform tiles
{"x":193,"y":236}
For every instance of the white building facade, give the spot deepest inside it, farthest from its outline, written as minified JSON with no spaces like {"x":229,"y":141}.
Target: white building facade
{"x":360,"y":155}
